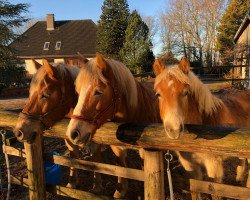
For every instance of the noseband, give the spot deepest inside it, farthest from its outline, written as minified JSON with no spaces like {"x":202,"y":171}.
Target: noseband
{"x":42,"y":118}
{"x":96,"y":120}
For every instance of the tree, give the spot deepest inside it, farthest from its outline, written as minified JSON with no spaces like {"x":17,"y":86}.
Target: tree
{"x":112,"y":26}
{"x":31,"y":22}
{"x":169,"y":59}
{"x":229,"y":24}
{"x":136,"y":52}
{"x":10,"y":18}
{"x":189,"y":29}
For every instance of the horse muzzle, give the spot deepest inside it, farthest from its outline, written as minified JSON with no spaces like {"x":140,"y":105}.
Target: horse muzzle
{"x":26,"y":131}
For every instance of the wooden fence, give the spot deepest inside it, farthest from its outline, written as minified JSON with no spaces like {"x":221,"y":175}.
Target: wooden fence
{"x":152,"y":138}
{"x":236,"y":75}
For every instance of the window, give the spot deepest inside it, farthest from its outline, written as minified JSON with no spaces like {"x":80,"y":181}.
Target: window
{"x":46,"y":46}
{"x":58,"y":45}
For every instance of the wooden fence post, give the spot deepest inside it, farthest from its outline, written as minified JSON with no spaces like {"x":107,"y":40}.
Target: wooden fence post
{"x":154,"y":175}
{"x":34,"y":159}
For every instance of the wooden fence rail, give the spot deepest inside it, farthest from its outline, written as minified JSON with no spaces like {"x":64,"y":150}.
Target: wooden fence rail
{"x":229,"y":141}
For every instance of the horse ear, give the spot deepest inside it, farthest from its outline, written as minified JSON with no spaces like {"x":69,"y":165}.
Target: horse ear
{"x":101,"y":62}
{"x":184,"y":65}
{"x":37,"y":64}
{"x":158,"y":67}
{"x":82,"y":59}
{"x":51,"y":71}
{"x":103,"y":66}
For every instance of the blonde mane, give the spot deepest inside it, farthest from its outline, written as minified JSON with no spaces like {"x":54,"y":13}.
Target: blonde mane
{"x":125,"y":81}
{"x":207,"y":102}
{"x":38,"y":78}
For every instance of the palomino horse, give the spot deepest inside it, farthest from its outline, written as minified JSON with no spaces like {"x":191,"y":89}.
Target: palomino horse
{"x":108,"y":92}
{"x":184,"y":99}
{"x":52,"y":96}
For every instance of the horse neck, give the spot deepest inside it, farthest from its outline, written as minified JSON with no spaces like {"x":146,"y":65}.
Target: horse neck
{"x":234,"y":110}
{"x":192,"y":114}
{"x":147,"y":110}
{"x":70,"y":94}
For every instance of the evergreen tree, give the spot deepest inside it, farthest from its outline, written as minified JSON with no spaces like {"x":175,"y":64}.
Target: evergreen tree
{"x":10,"y":18}
{"x":229,"y":24}
{"x":111,"y":27}
{"x":136,"y":52}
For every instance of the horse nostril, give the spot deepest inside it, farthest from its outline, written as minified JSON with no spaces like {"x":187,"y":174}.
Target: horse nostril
{"x":19,"y":134}
{"x":33,"y":136}
{"x":74,"y":134}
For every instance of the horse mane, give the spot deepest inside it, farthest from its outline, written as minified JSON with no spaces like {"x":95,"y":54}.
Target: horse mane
{"x":124,"y":80}
{"x":61,"y":70}
{"x":207,"y":102}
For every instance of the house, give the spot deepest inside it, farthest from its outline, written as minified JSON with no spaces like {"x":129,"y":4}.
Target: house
{"x":57,"y":41}
{"x":242,"y":48}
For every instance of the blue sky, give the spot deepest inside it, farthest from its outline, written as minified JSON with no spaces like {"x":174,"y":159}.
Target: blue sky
{"x":88,"y":9}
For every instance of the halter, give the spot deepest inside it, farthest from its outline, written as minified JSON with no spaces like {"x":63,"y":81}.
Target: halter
{"x":97,"y":117}
{"x":42,"y":117}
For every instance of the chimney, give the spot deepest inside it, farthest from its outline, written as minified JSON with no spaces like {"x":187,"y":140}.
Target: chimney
{"x":50,"y":22}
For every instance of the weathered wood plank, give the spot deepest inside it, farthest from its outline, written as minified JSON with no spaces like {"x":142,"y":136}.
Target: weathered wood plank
{"x":74,"y":193}
{"x":60,"y":190}
{"x":114,"y":170}
{"x":218,"y":189}
{"x":14,"y":151}
{"x":154,"y":175}
{"x":20,"y":181}
{"x":34,"y":160}
{"x":230,"y":141}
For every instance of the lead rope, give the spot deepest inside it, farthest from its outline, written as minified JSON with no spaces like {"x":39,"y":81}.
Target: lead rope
{"x":3,"y":133}
{"x":169,"y":157}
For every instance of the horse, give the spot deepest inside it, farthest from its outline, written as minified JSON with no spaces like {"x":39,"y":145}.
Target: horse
{"x":109,"y":92}
{"x":51,"y":97}
{"x":184,"y":99}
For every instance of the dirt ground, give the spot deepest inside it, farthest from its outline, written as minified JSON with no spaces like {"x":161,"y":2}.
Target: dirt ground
{"x":135,"y":190}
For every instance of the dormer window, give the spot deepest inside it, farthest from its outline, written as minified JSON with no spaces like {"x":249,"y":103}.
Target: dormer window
{"x":58,"y":45}
{"x":46,"y":46}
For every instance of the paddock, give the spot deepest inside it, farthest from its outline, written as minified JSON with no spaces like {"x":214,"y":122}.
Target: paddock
{"x":152,"y":138}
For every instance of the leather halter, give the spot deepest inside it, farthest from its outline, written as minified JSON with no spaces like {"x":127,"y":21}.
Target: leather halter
{"x":42,"y":117}
{"x":96,"y":120}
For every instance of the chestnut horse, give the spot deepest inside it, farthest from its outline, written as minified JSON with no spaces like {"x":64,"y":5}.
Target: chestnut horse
{"x":184,"y":99}
{"x":109,"y":92}
{"x":51,"y":96}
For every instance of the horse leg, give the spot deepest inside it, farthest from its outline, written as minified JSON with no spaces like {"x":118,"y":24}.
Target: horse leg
{"x":74,"y":153}
{"x":214,"y":167}
{"x":188,"y":164}
{"x":248,"y":178}
{"x":241,"y":169}
{"x":197,"y":175}
{"x":122,"y":185}
{"x":97,"y":185}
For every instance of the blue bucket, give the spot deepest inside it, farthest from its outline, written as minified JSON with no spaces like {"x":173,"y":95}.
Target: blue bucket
{"x":53,"y":172}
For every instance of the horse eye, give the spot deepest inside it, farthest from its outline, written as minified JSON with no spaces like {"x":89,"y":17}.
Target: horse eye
{"x":45,"y":96}
{"x":97,"y":93}
{"x":157,"y":95}
{"x":185,"y":93}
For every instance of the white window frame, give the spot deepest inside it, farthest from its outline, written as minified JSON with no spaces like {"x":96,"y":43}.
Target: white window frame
{"x":58,"y":45}
{"x":46,"y":46}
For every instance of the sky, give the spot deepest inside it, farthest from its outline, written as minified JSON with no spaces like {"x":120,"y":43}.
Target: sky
{"x":88,"y":9}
